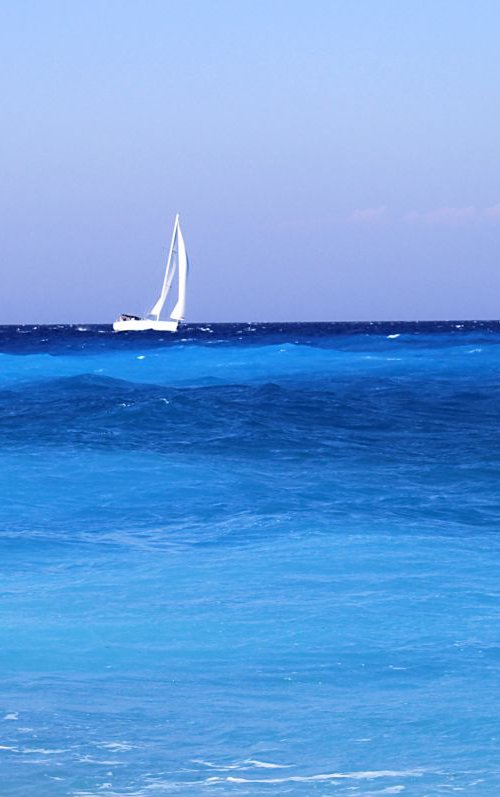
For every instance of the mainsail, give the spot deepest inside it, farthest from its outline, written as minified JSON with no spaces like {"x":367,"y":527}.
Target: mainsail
{"x":177,"y":263}
{"x":179,"y":310}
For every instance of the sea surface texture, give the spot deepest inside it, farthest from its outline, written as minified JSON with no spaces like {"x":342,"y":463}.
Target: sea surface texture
{"x":250,"y":560}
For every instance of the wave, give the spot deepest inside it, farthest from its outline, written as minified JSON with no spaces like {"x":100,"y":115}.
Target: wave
{"x":191,"y":365}
{"x":161,"y":785}
{"x":330,"y":776}
{"x":309,"y":419}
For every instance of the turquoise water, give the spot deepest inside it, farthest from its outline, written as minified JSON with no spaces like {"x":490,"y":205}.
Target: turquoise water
{"x":250,"y":560}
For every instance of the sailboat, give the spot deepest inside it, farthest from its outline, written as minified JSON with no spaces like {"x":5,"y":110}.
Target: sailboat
{"x":177,"y":264}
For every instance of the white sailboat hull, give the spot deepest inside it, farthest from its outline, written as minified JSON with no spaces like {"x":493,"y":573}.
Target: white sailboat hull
{"x":145,"y":324}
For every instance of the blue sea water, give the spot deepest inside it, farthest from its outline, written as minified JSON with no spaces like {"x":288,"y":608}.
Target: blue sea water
{"x":250,"y":560}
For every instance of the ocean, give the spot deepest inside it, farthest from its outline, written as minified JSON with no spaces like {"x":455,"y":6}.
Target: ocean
{"x":250,"y":559}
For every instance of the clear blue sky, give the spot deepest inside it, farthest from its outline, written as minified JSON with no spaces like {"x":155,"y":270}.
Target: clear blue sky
{"x":331,"y":159}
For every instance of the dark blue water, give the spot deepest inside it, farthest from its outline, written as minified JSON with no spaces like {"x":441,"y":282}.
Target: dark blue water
{"x":250,"y":559}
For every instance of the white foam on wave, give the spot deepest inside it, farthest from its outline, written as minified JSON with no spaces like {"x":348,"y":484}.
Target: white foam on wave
{"x":368,"y":775}
{"x":393,"y":337}
{"x":88,"y":759}
{"x":116,"y":745}
{"x":159,"y":784}
{"x":13,"y":715}
{"x":220,"y":767}
{"x":249,"y":763}
{"x":266,"y":764}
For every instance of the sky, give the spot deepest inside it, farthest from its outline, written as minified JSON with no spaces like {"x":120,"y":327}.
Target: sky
{"x":330,"y":159}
